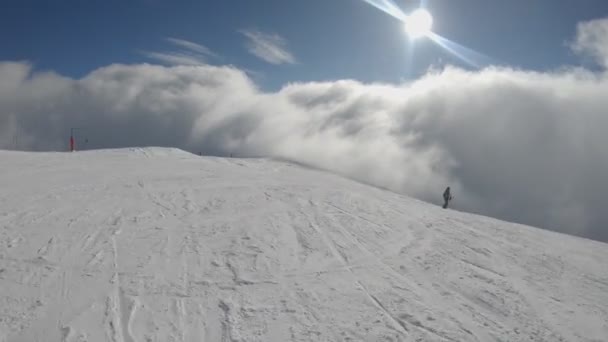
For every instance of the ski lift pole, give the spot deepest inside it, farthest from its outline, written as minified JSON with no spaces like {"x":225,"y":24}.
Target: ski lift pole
{"x":73,"y":138}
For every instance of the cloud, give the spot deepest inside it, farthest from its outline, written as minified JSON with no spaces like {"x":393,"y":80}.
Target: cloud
{"x":592,"y":40}
{"x":190,"y":53}
{"x":524,"y":146}
{"x":268,"y":47}
{"x":175,"y":58}
{"x":195,"y":47}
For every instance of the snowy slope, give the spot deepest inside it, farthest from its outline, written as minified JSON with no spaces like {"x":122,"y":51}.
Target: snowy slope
{"x":161,"y":245}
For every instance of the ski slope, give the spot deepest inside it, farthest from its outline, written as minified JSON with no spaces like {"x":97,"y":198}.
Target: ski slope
{"x":161,"y":245}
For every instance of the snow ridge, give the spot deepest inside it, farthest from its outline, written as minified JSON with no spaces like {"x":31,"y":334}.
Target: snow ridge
{"x":155,"y":244}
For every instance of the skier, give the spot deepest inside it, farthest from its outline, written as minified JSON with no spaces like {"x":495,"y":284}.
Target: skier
{"x":447,"y":197}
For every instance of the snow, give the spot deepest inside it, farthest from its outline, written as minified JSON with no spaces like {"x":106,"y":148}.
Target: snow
{"x":161,"y":245}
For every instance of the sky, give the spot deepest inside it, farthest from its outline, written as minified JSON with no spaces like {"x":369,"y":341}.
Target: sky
{"x":329,"y":40}
{"x":512,"y":116}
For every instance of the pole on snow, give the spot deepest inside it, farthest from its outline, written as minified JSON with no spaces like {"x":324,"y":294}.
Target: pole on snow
{"x":73,"y":138}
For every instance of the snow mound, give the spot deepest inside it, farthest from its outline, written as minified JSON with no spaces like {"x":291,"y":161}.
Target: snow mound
{"x":147,"y":152}
{"x":161,"y":245}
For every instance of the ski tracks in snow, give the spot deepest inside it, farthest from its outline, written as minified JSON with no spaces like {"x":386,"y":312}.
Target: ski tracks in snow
{"x":339,"y":256}
{"x":150,"y":245}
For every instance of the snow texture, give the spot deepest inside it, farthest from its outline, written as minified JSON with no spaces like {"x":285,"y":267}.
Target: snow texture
{"x":161,"y":245}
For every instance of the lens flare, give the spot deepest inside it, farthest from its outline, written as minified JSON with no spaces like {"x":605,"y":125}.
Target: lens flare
{"x":469,"y":56}
{"x":388,"y":7}
{"x":419,"y":23}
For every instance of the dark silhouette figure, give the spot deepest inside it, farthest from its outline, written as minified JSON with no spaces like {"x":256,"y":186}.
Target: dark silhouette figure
{"x":447,"y":197}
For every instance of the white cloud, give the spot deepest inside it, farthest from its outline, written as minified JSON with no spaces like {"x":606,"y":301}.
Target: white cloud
{"x":268,"y":47}
{"x":524,"y":146}
{"x":195,"y":47}
{"x":592,"y":40}
{"x":175,"y":58}
{"x":190,"y":53}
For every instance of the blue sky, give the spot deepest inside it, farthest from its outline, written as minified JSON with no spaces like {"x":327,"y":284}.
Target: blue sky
{"x":329,"y":39}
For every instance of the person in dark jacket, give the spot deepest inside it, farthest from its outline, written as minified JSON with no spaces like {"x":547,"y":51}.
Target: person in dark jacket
{"x":447,"y":197}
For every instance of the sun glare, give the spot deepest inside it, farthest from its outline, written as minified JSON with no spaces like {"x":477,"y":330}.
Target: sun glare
{"x":419,"y":23}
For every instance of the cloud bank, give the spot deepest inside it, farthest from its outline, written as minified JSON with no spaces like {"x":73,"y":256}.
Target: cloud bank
{"x":524,"y":146}
{"x":271,"y":48}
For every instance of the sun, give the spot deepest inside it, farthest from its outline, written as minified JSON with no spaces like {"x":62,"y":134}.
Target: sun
{"x":419,"y":23}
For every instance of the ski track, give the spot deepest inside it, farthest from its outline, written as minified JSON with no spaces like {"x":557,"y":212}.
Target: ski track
{"x":152,"y":244}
